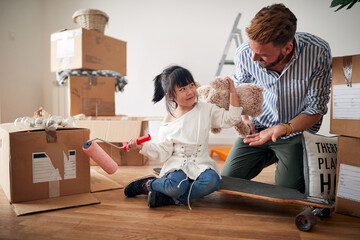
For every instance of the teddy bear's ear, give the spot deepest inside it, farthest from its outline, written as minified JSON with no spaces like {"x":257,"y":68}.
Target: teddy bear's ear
{"x":220,"y":83}
{"x":197,"y":84}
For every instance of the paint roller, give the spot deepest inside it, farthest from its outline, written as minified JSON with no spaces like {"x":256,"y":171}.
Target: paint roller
{"x":93,"y":150}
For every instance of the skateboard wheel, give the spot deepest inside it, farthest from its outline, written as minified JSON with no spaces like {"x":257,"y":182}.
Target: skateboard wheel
{"x":305,"y":220}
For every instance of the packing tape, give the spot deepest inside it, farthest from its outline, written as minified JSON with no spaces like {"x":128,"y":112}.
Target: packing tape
{"x":51,"y":136}
{"x":93,"y":80}
{"x":347,"y":70}
{"x":54,"y":189}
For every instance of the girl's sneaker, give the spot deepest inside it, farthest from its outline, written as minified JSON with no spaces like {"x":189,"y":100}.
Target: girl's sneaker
{"x":138,"y":186}
{"x":158,"y":199}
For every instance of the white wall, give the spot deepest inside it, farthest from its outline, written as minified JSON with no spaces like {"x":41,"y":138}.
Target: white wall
{"x":21,"y":58}
{"x":159,"y":33}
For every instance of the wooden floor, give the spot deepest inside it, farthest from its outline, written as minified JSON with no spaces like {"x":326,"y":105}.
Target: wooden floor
{"x":217,"y":216}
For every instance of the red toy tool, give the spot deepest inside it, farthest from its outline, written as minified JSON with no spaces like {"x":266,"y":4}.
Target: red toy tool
{"x":94,"y":151}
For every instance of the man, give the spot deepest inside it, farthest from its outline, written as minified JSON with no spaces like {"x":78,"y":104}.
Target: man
{"x":294,"y":70}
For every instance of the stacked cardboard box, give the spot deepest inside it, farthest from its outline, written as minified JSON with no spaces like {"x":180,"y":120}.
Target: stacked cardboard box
{"x":95,"y":96}
{"x":87,"y":49}
{"x":83,"y":49}
{"x":345,"y":121}
{"x":92,"y":96}
{"x":43,"y":169}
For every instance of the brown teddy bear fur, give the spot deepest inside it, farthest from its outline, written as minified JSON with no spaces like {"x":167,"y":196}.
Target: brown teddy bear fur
{"x":250,"y":99}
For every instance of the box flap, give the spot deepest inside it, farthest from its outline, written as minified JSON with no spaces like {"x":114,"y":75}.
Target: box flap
{"x":100,"y":182}
{"x":42,"y":205}
{"x":147,"y":118}
{"x":11,"y":128}
{"x":65,"y":34}
{"x":125,"y":117}
{"x":116,"y":117}
{"x":112,"y":131}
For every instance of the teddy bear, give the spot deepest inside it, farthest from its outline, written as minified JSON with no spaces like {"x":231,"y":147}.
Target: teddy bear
{"x":250,"y":99}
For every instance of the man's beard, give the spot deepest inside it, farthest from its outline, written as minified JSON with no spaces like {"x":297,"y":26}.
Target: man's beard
{"x":270,"y":65}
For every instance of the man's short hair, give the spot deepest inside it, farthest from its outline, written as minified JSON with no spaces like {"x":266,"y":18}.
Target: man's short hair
{"x":275,"y":23}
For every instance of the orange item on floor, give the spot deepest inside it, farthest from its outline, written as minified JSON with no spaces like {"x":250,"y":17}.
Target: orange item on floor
{"x":222,"y":152}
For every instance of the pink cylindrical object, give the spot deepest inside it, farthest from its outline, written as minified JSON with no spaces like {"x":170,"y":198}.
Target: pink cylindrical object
{"x":93,"y":150}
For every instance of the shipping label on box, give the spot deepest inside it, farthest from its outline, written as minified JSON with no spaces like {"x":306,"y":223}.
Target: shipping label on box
{"x":92,"y":96}
{"x":349,"y":180}
{"x":35,"y":166}
{"x":87,"y":49}
{"x":345,"y":96}
{"x":118,"y":131}
{"x":348,"y":172}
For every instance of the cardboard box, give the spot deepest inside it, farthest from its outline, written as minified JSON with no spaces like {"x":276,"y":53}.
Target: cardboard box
{"x":92,"y":96}
{"x":345,"y":107}
{"x":125,"y":117}
{"x":34,"y":166}
{"x":116,"y":132}
{"x":87,"y":49}
{"x":348,"y":171}
{"x":116,"y":117}
{"x":42,"y":170}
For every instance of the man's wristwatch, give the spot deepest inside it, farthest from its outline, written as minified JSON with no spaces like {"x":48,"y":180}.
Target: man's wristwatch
{"x":289,"y":128}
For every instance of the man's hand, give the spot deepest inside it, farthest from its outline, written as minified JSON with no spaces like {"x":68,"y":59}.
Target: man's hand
{"x":262,"y":137}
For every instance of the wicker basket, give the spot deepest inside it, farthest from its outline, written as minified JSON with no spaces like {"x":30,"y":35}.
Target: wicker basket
{"x":91,"y":19}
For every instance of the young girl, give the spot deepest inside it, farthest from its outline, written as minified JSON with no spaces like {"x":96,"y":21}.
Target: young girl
{"x":188,"y":171}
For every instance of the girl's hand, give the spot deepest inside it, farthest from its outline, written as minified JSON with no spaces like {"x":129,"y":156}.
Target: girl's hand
{"x":249,"y":123}
{"x":231,"y":85}
{"x":234,"y":100}
{"x":133,"y":145}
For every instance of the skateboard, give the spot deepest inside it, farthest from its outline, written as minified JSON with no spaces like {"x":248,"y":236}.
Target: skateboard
{"x":304,"y":221}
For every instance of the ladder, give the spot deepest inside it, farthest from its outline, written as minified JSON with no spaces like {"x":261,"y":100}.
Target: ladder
{"x":235,"y":35}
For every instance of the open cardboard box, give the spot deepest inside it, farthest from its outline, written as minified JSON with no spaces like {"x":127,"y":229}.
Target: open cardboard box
{"x":116,"y":130}
{"x":87,"y":49}
{"x":42,"y":170}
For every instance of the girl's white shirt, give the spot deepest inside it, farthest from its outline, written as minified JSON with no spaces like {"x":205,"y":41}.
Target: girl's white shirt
{"x":183,"y":143}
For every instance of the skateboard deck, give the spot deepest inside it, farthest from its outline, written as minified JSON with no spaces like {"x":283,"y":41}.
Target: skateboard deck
{"x":270,"y":192}
{"x":274,"y":193}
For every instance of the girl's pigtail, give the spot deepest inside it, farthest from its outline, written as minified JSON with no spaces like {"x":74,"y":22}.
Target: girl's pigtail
{"x":159,"y":91}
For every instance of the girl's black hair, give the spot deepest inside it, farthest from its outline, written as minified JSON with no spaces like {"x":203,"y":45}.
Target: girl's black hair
{"x":165,"y":83}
